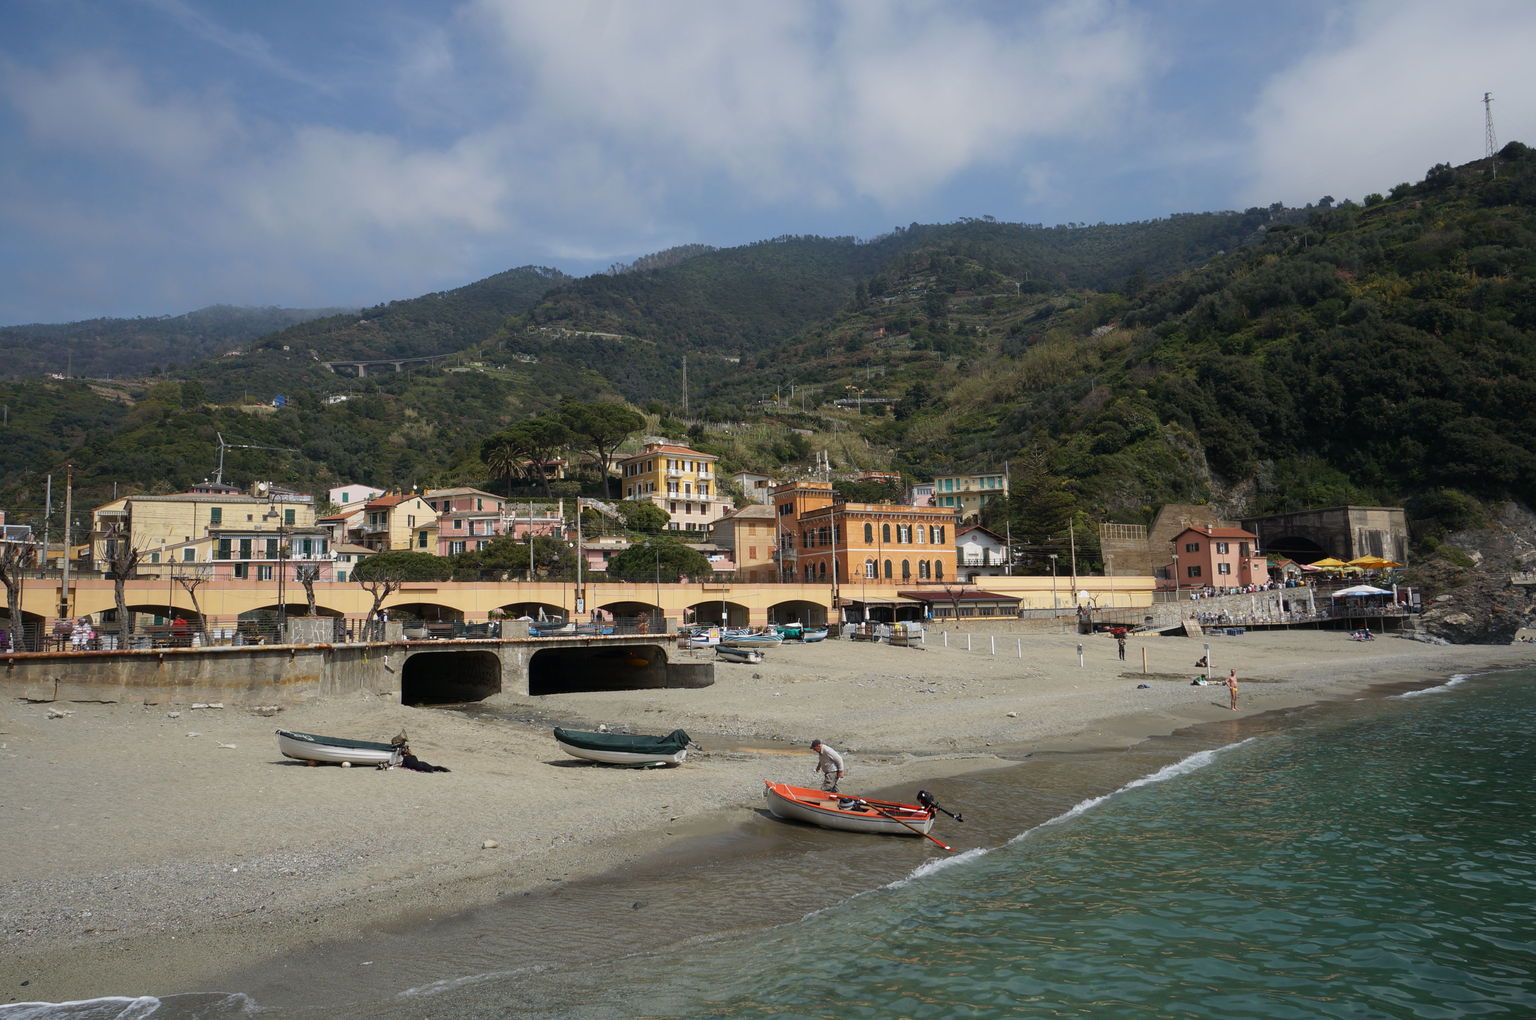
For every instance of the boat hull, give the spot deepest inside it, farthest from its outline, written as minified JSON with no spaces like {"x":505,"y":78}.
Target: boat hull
{"x":335,"y":750}
{"x":817,"y":807}
{"x":608,"y":757}
{"x":727,"y":653}
{"x":610,"y":749}
{"x":809,"y":636}
{"x":751,"y":641}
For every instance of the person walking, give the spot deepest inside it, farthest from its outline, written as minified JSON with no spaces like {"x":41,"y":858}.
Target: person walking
{"x":829,"y":763}
{"x":1232,"y":687}
{"x":1120,"y":640}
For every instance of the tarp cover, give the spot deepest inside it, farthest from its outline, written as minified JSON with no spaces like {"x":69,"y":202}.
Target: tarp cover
{"x":639,"y":743}
{"x":315,"y":738}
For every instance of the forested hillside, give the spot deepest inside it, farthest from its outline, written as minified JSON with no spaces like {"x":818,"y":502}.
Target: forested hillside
{"x":1274,"y":359}
{"x":110,"y":348}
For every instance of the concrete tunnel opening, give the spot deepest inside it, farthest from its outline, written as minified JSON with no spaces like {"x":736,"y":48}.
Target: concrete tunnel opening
{"x":449,"y":677}
{"x":601,"y":668}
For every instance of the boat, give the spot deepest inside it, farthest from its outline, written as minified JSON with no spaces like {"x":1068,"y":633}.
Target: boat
{"x":850,"y":814}
{"x":335,"y":750}
{"x":625,"y":748}
{"x":750,"y":639}
{"x":727,"y":653}
{"x":811,"y":634}
{"x":789,"y":631}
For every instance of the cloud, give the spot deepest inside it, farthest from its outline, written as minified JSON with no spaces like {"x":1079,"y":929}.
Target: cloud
{"x":799,"y":100}
{"x":1393,"y":88}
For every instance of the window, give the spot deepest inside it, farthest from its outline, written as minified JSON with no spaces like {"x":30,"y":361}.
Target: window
{"x":869,"y":532}
{"x":1191,"y":546}
{"x":154,"y":557}
{"x":938,"y":570}
{"x":288,"y":516}
{"x":264,"y":572}
{"x":458,"y":524}
{"x":870,"y":570}
{"x":241,"y":571}
{"x":906,"y":570}
{"x":216,"y":515}
{"x":1221,"y":548}
{"x":271,"y":552}
{"x":885,"y":536}
{"x":223,"y":551}
{"x":887,"y":570}
{"x":920,"y":529}
{"x":1192,"y":572}
{"x":421,"y":540}
{"x":904,"y":534}
{"x":245,"y":548}
{"x":454,"y":548}
{"x":1223,"y":568}
{"x":188,"y":555}
{"x":341,"y":575}
{"x":924,"y":571}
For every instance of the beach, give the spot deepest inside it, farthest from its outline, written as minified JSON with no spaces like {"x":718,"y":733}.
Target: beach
{"x":152,"y":848}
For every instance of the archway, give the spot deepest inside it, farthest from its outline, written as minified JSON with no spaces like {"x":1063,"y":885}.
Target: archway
{"x":811,"y":614}
{"x":1296,"y":547}
{"x":449,"y":677}
{"x":716,"y":613}
{"x":631,"y":666}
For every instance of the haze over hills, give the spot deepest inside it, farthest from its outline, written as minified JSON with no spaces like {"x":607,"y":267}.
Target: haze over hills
{"x":1262,"y":360}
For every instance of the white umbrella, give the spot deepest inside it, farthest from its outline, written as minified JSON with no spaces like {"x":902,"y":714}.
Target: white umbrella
{"x":1360,"y":589}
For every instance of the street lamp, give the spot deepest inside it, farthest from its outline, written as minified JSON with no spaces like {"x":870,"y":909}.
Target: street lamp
{"x":1175,"y":575}
{"x":1054,"y":604}
{"x":656,"y":549}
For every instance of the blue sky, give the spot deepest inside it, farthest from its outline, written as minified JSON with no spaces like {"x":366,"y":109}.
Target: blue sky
{"x":157,"y":156}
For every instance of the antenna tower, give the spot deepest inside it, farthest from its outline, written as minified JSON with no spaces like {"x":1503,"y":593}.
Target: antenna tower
{"x":1489,"y":137}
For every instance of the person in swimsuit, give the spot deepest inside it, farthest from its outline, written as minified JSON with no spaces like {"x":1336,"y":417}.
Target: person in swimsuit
{"x":1232,"y":687}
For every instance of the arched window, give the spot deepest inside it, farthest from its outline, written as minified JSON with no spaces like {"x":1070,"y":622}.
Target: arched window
{"x":921,"y":533}
{"x":938,"y":570}
{"x":869,"y":533}
{"x":923,"y":570}
{"x":906,"y":570}
{"x":885,"y":533}
{"x":871,"y":571}
{"x":821,"y":569}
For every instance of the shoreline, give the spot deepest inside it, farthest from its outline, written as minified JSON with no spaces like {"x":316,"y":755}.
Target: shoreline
{"x":153,"y":848}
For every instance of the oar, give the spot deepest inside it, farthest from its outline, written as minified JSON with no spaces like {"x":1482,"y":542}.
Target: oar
{"x":914,"y":828}
{"x":926,"y":800}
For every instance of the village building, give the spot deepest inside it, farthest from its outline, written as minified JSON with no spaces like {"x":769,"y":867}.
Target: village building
{"x":677,"y":479}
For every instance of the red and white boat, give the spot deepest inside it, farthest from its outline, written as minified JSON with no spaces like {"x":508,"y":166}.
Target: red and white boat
{"x":851,"y":814}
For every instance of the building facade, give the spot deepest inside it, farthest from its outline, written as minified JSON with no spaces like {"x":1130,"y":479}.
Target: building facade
{"x":967,"y":494}
{"x":1217,"y":558}
{"x":750,"y":533}
{"x":677,"y":479}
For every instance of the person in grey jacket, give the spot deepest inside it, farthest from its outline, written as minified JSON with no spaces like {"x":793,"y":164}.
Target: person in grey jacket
{"x":829,"y":763}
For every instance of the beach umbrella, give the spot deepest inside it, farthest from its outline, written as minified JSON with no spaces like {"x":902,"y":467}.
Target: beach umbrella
{"x":1360,"y":589}
{"x":1372,"y":563}
{"x":1328,"y":563}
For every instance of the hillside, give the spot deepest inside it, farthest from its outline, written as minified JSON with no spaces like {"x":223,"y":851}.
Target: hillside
{"x":1261,"y":361}
{"x":110,"y":348}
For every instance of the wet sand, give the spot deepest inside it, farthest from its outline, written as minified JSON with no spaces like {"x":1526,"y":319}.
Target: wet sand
{"x":153,"y":849}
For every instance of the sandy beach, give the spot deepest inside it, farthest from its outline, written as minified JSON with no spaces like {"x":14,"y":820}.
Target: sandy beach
{"x":150,"y":848}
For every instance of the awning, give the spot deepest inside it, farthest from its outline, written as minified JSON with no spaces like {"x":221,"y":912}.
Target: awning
{"x":1360,"y":589}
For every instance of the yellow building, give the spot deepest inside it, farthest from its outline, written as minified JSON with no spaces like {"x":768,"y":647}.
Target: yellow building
{"x":680,"y":481}
{"x":967,"y":494}
{"x":186,"y":527}
{"x":397,"y":521}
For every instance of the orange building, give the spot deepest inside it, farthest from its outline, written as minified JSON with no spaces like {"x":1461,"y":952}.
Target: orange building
{"x":822,"y":539}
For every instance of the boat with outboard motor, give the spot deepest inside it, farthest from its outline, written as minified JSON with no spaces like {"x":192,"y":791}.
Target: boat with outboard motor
{"x":855,"y":814}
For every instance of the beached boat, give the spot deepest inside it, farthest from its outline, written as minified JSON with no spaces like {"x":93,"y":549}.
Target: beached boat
{"x":726,"y":653}
{"x":851,"y":814}
{"x":750,"y":639}
{"x":789,"y":631}
{"x":811,"y":634}
{"x":335,"y":750}
{"x":625,"y":748}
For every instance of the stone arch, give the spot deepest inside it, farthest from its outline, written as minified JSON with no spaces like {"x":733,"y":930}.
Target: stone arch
{"x":450,"y":676}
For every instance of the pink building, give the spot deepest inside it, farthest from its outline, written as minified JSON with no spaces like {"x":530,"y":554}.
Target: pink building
{"x":1217,"y":558}
{"x":469,"y":519}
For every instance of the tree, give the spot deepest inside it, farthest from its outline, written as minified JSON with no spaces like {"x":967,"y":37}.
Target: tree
{"x":598,"y":430}
{"x":642,"y":515}
{"x":15,"y":557}
{"x":536,"y":441}
{"x":191,"y":579}
{"x":122,"y":562}
{"x":506,"y":559}
{"x":659,"y":559}
{"x":307,"y":574}
{"x":382,"y":574}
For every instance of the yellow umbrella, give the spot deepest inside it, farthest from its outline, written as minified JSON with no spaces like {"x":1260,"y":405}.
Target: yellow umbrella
{"x":1328,"y":563}
{"x":1372,"y":563}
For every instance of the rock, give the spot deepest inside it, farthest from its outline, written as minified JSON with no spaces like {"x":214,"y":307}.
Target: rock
{"x":489,"y":844}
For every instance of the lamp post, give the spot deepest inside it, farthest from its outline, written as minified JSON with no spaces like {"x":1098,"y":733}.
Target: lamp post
{"x":1175,"y":575}
{"x":1052,"y":557}
{"x":656,"y":549}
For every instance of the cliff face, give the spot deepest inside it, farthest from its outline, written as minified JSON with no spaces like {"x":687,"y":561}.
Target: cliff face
{"x":1487,"y":602}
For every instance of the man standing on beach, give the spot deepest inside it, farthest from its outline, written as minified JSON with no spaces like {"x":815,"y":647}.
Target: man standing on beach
{"x":1232,"y":687}
{"x":829,"y":763}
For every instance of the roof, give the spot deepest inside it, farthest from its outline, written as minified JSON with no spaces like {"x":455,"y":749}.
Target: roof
{"x":1221,"y":532}
{"x":977,"y":527}
{"x":651,"y":451}
{"x":462,"y":490}
{"x":761,"y":510}
{"x":965,"y":595}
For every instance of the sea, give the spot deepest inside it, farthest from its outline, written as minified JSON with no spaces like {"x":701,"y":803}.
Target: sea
{"x":1366,"y":858}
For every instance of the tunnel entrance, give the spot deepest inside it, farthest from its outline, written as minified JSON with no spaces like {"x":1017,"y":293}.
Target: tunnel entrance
{"x":626,"y":667}
{"x":445,"y":678}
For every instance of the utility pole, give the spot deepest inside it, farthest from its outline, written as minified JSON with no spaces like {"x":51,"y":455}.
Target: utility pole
{"x":69,"y":492}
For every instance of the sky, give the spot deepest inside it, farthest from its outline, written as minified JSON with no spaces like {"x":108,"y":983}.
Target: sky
{"x":159,"y":156}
